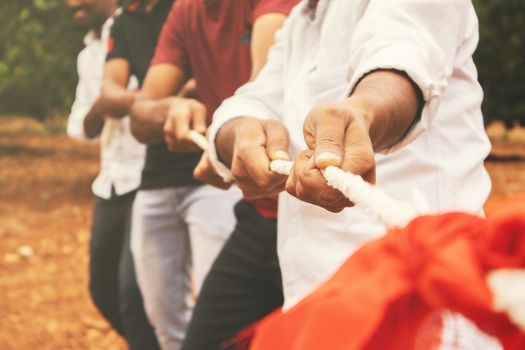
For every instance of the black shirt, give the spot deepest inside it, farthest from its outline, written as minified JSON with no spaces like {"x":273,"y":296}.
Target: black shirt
{"x":134,"y":36}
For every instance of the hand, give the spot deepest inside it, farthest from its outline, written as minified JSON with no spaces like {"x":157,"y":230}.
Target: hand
{"x":336,"y":134}
{"x":184,"y":115}
{"x":251,"y":144}
{"x":206,"y":173}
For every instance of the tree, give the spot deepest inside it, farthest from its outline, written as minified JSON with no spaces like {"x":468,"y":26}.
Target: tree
{"x":38,"y":46}
{"x":501,"y":60}
{"x":39,"y":43}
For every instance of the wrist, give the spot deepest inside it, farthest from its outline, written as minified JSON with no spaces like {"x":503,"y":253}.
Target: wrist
{"x":360,"y":110}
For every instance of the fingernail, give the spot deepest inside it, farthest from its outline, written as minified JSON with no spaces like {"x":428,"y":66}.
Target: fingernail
{"x":327,"y":158}
{"x":281,"y":155}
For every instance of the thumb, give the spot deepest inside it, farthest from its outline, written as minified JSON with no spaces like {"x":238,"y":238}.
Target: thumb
{"x":329,"y":141}
{"x":277,"y":140}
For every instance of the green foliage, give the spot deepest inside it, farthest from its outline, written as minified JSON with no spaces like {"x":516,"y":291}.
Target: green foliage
{"x":501,"y":59}
{"x":38,"y":47}
{"x":39,"y":43}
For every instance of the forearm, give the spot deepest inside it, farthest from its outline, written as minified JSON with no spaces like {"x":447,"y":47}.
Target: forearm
{"x":390,"y":103}
{"x":116,"y":100}
{"x":94,"y":120}
{"x":148,"y":118}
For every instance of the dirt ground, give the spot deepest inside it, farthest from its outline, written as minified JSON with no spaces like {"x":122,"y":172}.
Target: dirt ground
{"x":45,"y":208}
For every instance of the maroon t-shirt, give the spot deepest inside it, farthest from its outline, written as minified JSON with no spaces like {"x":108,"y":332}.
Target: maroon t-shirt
{"x":213,"y":46}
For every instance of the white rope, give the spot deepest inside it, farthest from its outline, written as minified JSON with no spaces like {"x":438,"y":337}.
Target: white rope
{"x":388,"y":210}
{"x":198,"y":139}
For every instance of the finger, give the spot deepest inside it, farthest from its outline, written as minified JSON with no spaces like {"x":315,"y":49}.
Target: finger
{"x":198,"y":117}
{"x":257,"y":166}
{"x":339,"y":205}
{"x":250,"y":195}
{"x":168,"y":133}
{"x":325,"y":133}
{"x":291,"y":184}
{"x":277,"y":140}
{"x":205,"y":172}
{"x":215,"y":181}
{"x":359,"y":158}
{"x":312,"y":187}
{"x":182,"y":116}
{"x":316,"y":189}
{"x":251,"y":172}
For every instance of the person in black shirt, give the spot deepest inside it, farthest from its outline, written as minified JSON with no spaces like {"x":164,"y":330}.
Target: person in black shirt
{"x":171,"y":209}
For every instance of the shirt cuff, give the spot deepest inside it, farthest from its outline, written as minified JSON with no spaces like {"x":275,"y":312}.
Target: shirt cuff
{"x":230,"y":109}
{"x":428,"y":73}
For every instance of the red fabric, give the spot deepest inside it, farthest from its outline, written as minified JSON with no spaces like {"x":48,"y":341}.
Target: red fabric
{"x":266,"y":207}
{"x":389,"y":293}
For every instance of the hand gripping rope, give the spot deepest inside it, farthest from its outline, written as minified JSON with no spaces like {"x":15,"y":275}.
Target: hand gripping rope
{"x":388,"y":210}
{"x":506,"y":285}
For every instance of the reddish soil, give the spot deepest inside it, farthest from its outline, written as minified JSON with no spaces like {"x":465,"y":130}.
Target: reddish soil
{"x":45,"y":209}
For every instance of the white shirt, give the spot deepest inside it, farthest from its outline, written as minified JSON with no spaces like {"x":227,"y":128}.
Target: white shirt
{"x":319,"y":59}
{"x":123,"y":158}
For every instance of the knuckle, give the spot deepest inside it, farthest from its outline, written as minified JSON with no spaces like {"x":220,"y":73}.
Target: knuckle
{"x":237,"y":172}
{"x":265,"y":183}
{"x":329,"y":138}
{"x":290,"y":188}
{"x":301,"y":193}
{"x":245,"y":152}
{"x":277,"y":141}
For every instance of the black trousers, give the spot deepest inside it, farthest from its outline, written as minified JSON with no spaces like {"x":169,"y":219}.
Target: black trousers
{"x":243,"y":285}
{"x":112,"y":282}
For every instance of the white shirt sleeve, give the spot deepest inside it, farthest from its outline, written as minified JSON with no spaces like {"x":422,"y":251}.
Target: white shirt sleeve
{"x":417,"y":37}
{"x":261,"y":98}
{"x":81,"y":105}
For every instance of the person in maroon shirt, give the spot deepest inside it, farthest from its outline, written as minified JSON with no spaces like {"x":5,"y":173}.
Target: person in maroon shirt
{"x":222,"y":44}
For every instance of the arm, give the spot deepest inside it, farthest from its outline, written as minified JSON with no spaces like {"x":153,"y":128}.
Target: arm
{"x":94,"y":120}
{"x":402,"y":58}
{"x":242,"y":125}
{"x":166,"y":76}
{"x":116,"y":99}
{"x":151,"y":108}
{"x":85,"y":120}
{"x":263,"y":36}
{"x":148,"y":118}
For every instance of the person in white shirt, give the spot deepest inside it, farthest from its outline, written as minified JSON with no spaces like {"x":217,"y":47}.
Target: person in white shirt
{"x":112,"y":282}
{"x":384,"y":89}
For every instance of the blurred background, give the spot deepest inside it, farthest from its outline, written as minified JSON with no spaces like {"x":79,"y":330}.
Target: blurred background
{"x":45,"y":178}
{"x":39,"y":43}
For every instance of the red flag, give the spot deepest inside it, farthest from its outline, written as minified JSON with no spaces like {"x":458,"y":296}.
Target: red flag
{"x":389,"y":294}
